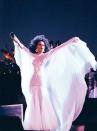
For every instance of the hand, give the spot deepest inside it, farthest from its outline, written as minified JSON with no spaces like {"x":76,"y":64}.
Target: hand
{"x":75,"y":39}
{"x":12,"y":35}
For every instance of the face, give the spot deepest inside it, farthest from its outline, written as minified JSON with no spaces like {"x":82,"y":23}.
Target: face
{"x":40,"y":47}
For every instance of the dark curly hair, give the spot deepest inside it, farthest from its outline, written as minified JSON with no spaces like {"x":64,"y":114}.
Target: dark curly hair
{"x":33,"y":44}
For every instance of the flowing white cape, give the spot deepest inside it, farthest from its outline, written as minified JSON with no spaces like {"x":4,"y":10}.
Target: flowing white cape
{"x":64,"y":75}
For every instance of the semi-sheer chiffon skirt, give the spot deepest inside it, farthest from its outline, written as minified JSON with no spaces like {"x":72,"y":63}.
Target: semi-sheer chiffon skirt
{"x":39,"y":113}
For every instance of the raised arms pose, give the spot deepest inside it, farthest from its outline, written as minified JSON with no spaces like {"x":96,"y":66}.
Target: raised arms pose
{"x":53,"y":81}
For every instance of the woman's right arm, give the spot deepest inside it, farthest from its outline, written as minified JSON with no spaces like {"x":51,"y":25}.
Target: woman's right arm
{"x":17,"y":42}
{"x":20,"y":50}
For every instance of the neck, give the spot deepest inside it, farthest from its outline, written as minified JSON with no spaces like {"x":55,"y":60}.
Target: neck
{"x":39,"y":53}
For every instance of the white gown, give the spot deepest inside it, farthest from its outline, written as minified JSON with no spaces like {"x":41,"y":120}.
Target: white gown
{"x":53,"y":84}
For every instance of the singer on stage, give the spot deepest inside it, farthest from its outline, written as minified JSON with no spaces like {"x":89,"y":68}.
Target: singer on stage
{"x":53,"y":81}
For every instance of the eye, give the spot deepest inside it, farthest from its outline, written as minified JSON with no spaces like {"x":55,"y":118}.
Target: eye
{"x":39,"y":44}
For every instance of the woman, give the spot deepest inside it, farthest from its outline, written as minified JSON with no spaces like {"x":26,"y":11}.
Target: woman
{"x":53,"y":82}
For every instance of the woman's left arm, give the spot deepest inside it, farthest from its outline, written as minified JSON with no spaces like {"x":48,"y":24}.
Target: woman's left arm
{"x":72,"y":40}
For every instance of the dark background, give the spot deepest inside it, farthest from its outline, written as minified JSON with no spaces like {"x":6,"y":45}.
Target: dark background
{"x":56,"y":19}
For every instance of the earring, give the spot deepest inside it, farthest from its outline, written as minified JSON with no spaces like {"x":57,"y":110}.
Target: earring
{"x":36,"y":50}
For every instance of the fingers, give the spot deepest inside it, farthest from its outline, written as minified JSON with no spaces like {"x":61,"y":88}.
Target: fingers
{"x":12,"y":35}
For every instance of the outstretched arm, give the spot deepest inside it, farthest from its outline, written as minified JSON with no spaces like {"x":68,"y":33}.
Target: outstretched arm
{"x":18,"y":44}
{"x":16,"y":41}
{"x":72,"y":40}
{"x":79,"y":49}
{"x":20,"y":50}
